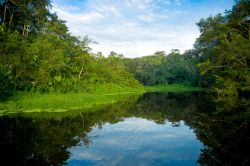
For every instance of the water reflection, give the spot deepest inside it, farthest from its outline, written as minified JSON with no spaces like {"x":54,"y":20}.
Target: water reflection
{"x":137,"y":141}
{"x":156,"y":129}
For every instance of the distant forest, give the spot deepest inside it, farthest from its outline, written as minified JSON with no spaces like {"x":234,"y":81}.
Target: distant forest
{"x":37,"y":53}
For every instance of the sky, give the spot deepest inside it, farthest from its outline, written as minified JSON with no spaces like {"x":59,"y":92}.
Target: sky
{"x":137,"y":28}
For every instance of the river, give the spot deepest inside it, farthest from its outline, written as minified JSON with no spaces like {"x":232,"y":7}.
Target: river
{"x":152,"y":129}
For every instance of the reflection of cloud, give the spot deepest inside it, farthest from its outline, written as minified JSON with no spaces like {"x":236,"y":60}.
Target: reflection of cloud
{"x":138,"y":141}
{"x":87,"y":156}
{"x":147,"y":154}
{"x":137,"y":27}
{"x":141,"y":128}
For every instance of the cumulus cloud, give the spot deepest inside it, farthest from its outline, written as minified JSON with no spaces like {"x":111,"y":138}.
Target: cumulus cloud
{"x":133,"y":27}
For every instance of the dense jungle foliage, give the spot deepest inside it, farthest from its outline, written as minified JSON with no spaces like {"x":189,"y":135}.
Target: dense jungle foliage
{"x":37,"y":53}
{"x":219,"y":60}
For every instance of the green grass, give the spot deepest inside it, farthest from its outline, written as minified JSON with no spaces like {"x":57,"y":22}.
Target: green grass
{"x":29,"y":102}
{"x":101,"y":95}
{"x":173,"y":88}
{"x":56,"y":102}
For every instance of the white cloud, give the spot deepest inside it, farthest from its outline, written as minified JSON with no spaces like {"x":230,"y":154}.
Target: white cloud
{"x":132,"y":27}
{"x":76,"y":18}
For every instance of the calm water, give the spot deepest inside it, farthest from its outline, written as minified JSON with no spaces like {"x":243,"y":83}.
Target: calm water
{"x":153,"y":129}
{"x":137,"y":141}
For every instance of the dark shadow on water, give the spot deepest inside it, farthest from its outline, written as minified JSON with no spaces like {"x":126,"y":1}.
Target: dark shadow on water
{"x":27,"y":140}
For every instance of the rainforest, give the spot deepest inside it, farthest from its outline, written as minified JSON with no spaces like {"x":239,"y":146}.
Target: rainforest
{"x":61,"y":103}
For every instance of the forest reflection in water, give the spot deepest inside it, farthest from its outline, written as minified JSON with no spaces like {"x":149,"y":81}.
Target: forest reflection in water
{"x":216,"y":138}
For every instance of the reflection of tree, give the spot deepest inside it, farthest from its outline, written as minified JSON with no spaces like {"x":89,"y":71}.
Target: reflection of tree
{"x":226,"y":135}
{"x":173,"y":107}
{"x":34,"y":141}
{"x":26,"y":140}
{"x":226,"y":140}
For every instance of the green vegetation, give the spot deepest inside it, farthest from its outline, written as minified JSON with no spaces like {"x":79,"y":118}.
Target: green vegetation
{"x":46,"y":138}
{"x":162,"y":68}
{"x":223,"y":49}
{"x":58,"y":90}
{"x":173,"y":88}
{"x":59,"y":102}
{"x":219,"y":61}
{"x":6,"y":84}
{"x":100,"y":96}
{"x":39,"y":56}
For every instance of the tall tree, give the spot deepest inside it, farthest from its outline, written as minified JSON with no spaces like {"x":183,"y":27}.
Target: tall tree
{"x":224,"y":49}
{"x":25,"y":16}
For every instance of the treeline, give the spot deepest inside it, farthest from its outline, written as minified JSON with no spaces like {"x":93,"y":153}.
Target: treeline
{"x":219,"y":60}
{"x":38,"y":53}
{"x":162,"y":68}
{"x":223,"y":49}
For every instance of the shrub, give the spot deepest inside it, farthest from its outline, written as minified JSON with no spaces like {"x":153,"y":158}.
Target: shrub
{"x":6,"y":84}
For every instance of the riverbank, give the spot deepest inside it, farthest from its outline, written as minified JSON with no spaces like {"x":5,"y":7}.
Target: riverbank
{"x":173,"y":88}
{"x":56,"y":102}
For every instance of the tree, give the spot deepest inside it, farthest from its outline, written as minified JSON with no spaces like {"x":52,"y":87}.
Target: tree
{"x":24,"y":16}
{"x":6,"y":84}
{"x":224,"y":49}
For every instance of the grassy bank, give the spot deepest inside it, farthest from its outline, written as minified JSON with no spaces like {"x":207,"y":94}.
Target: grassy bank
{"x":58,"y":102}
{"x":101,"y":95}
{"x":173,"y":88}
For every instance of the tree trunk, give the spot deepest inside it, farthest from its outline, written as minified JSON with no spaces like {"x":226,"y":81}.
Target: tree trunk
{"x":80,"y":73}
{"x":11,"y":17}
{"x":24,"y":26}
{"x":4,"y":15}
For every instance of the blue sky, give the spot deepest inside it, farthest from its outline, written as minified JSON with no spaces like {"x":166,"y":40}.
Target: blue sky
{"x":138,"y":27}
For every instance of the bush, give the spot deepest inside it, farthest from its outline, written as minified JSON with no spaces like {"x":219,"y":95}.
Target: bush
{"x":6,"y":84}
